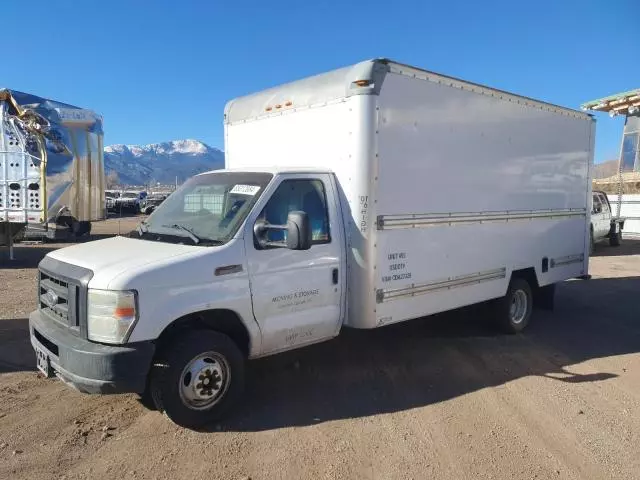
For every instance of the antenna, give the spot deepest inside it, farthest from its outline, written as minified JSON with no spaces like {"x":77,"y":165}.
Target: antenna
{"x":119,"y":215}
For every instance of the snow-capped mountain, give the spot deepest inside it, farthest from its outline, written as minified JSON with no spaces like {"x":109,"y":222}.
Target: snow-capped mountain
{"x":161,"y":162}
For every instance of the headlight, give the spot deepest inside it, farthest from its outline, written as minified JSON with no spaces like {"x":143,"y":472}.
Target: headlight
{"x":111,"y":315}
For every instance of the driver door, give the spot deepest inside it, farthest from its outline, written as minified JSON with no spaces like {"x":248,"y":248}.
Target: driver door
{"x":297,"y":295}
{"x":600,"y":225}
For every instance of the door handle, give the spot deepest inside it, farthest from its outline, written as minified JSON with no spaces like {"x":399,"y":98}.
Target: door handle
{"x":334,"y":276}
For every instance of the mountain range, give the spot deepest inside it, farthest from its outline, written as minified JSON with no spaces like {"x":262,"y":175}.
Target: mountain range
{"x":605,"y":169}
{"x":160,"y":162}
{"x":163,"y":162}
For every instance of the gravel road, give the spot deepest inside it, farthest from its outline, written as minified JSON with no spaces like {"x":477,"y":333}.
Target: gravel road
{"x":444,"y":397}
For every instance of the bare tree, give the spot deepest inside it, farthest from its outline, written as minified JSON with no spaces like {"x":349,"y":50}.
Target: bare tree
{"x":112,"y":179}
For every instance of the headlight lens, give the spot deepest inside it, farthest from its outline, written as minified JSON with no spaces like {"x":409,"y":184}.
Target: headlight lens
{"x":111,"y":315}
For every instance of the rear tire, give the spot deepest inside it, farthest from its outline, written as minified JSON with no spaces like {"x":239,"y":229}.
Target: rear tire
{"x":545,"y":297}
{"x":514,"y":309}
{"x":201,"y":377}
{"x":614,"y":240}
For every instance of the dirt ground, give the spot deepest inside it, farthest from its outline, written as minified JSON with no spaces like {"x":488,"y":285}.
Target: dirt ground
{"x":442,"y":397}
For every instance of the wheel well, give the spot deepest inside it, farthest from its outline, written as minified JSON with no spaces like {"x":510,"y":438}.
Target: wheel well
{"x":528,"y":274}
{"x":223,"y":321}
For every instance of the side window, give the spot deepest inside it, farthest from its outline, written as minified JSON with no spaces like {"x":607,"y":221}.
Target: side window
{"x":605,"y":204}
{"x":597,"y":206}
{"x":306,"y":195}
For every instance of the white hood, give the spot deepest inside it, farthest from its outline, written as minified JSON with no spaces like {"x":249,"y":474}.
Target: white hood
{"x":110,"y":257}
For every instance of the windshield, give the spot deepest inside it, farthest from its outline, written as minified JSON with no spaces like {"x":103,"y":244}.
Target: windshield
{"x":207,"y":208}
{"x":129,"y":195}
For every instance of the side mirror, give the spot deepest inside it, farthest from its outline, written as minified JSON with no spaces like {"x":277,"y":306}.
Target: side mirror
{"x":298,"y":230}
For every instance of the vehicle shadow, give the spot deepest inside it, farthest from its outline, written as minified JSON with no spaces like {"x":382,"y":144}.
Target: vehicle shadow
{"x":25,"y":256}
{"x":627,"y":247}
{"x":418,"y":363}
{"x":431,"y":360}
{"x":29,"y":254}
{"x":15,"y":348}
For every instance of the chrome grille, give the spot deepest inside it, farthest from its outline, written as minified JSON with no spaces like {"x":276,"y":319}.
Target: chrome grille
{"x":57,"y":299}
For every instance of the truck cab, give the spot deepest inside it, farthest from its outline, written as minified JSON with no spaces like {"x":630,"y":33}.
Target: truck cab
{"x":130,"y":200}
{"x":110,"y":197}
{"x":604,"y":224}
{"x":259,"y":255}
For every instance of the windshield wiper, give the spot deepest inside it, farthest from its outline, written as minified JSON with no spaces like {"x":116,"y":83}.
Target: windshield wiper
{"x":189,"y":232}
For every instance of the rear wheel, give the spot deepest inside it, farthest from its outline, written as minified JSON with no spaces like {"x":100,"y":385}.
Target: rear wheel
{"x":81,"y":228}
{"x":514,"y":309}
{"x":545,"y":297}
{"x":201,"y":377}
{"x":614,"y":240}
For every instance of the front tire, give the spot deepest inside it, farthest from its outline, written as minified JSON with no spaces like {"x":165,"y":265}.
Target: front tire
{"x":201,"y":376}
{"x":514,"y":309}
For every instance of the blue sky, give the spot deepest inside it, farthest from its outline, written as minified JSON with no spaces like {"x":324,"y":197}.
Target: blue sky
{"x":160,"y":70}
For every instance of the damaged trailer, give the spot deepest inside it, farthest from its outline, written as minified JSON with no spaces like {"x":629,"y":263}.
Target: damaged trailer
{"x":51,"y":168}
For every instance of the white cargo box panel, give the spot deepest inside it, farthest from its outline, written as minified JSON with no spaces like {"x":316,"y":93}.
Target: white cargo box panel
{"x":630,"y":211}
{"x":472,"y":184}
{"x":449,"y":186}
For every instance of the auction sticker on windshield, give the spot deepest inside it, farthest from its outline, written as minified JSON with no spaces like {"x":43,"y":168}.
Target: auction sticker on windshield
{"x":245,"y":189}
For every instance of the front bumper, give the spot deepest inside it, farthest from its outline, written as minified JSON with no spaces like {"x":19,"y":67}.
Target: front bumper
{"x":91,"y":367}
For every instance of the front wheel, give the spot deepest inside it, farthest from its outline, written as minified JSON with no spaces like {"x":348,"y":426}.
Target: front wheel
{"x":514,"y":309}
{"x":199,"y":378}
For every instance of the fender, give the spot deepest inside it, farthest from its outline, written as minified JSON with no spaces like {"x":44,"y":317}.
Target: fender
{"x":62,"y":213}
{"x":162,"y":305}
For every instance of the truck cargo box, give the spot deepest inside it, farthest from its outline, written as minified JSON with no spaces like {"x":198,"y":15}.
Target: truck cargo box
{"x":450,"y":186}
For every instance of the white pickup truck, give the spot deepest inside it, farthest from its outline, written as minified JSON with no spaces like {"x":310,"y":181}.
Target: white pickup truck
{"x":362,"y":197}
{"x":604,"y":224}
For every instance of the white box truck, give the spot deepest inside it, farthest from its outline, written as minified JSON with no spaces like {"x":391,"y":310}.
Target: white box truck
{"x":362,"y":197}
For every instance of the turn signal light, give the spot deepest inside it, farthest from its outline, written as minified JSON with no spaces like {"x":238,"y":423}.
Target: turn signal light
{"x":125,"y":312}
